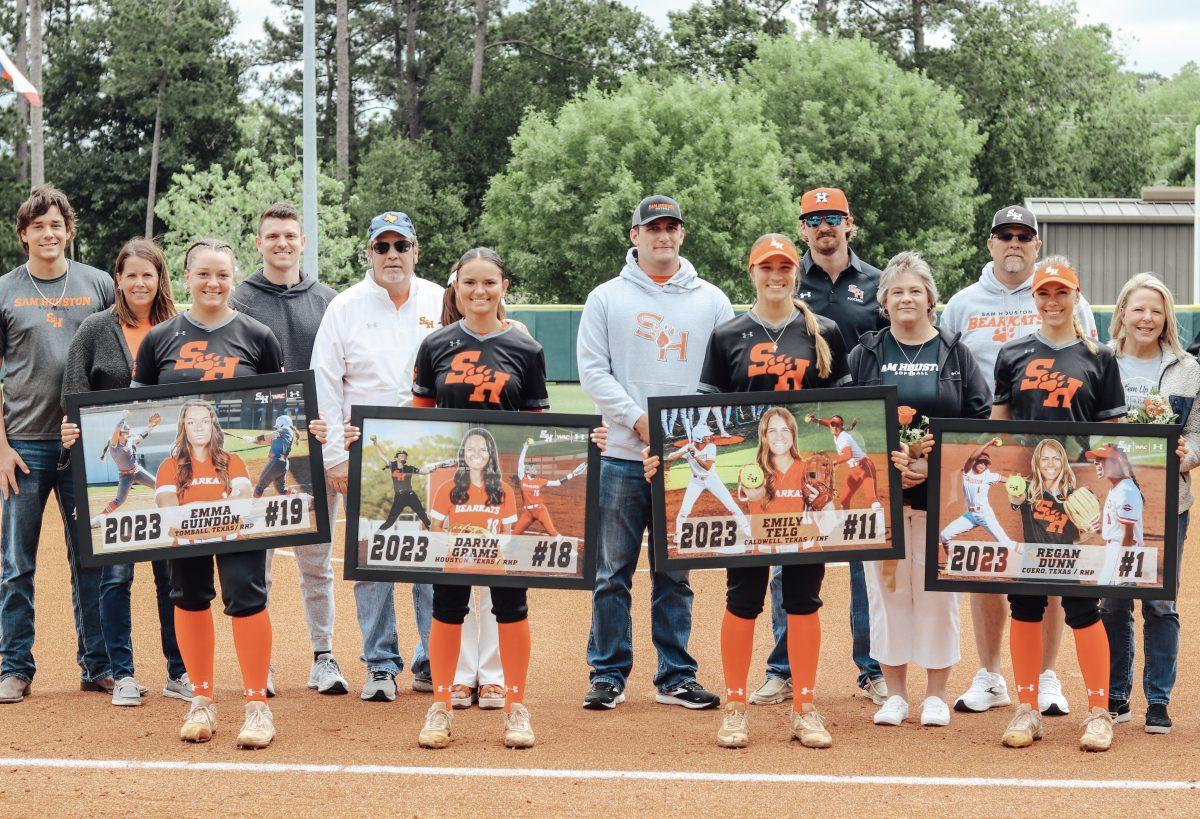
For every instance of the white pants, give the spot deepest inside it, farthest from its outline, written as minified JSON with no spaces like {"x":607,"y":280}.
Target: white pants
{"x":1112,"y":560}
{"x":695,"y":488}
{"x":479,"y":651}
{"x":316,"y":582}
{"x":985,"y":519}
{"x":716,"y":413}
{"x":909,"y":624}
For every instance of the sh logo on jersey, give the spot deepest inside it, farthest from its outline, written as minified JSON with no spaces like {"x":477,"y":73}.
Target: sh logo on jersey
{"x":1060,"y":389}
{"x":765,"y":361}
{"x":856,"y":293}
{"x":195,"y":356}
{"x":654,"y":327}
{"x":487,"y":382}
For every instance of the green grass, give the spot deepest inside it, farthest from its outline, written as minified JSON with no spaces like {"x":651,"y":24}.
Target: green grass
{"x":568,"y":396}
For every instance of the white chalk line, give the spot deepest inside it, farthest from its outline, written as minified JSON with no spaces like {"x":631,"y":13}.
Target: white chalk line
{"x":608,"y":775}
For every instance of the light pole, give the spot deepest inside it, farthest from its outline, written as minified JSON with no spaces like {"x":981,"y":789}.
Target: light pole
{"x":310,"y":137}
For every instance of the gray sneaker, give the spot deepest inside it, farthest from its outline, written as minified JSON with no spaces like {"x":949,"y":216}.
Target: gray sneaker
{"x":13,"y":689}
{"x":127,"y":692}
{"x":772,"y":692}
{"x":180,"y":689}
{"x":271,"y":680}
{"x":380,"y":687}
{"x":326,"y":677}
{"x":422,"y":685}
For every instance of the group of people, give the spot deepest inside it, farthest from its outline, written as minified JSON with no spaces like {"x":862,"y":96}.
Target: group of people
{"x":657,"y":328}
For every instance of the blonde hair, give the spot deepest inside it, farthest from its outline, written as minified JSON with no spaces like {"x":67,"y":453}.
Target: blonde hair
{"x":1066,"y":482}
{"x":908,"y":261}
{"x":1063,"y":261}
{"x":1170,"y":332}
{"x":813,"y":328}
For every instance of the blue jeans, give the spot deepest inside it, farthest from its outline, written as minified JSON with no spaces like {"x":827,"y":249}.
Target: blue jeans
{"x":115,"y":585}
{"x":20,"y":534}
{"x":376,"y":609}
{"x":860,"y":628}
{"x":1160,"y":635}
{"x":624,"y":518}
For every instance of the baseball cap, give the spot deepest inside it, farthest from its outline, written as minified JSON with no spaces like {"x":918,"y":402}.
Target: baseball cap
{"x":1055,"y":274}
{"x":983,"y":457}
{"x":1014,"y":215}
{"x":774,"y":244}
{"x":821,"y":200}
{"x":700,"y":432}
{"x":656,"y":207}
{"x":1115,"y":450}
{"x":394,"y":221}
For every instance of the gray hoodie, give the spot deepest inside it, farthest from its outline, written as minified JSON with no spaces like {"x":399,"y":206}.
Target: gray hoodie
{"x":638,"y":339}
{"x":987,"y":315}
{"x":293,"y":313}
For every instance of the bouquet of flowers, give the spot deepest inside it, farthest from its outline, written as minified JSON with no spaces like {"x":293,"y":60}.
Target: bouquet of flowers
{"x":1155,"y":409}
{"x":911,"y":434}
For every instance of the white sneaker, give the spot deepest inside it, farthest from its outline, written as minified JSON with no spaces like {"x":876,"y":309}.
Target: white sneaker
{"x":127,"y":692}
{"x":325,"y":677}
{"x":1051,"y":701}
{"x":875,"y":689}
{"x":934,"y":711}
{"x":893,"y":712}
{"x":988,"y":690}
{"x":772,"y":692}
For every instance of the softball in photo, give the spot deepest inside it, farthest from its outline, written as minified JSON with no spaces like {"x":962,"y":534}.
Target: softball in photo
{"x":173,"y":469}
{"x":774,"y":480}
{"x":1061,"y":508}
{"x":460,"y":499}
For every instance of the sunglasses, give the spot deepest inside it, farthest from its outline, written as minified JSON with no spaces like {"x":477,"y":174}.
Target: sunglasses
{"x":831,"y":219}
{"x":1008,"y":236}
{"x":401,"y":245}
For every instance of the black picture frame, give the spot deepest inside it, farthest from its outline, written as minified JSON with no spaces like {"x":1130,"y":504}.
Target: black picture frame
{"x":294,"y":387}
{"x":426,"y":419}
{"x":885,"y":400}
{"x":1063,"y":559}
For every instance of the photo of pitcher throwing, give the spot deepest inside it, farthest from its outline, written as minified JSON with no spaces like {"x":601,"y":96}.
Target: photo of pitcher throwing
{"x":533,"y":508}
{"x":860,"y":471}
{"x":124,"y":449}
{"x":977,"y":479}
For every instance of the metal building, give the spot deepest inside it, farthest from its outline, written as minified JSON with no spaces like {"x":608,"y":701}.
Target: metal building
{"x":1112,"y":239}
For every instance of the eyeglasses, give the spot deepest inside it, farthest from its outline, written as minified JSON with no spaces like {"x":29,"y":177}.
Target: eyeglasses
{"x":401,"y":245}
{"x":831,"y":219}
{"x":1008,"y":236}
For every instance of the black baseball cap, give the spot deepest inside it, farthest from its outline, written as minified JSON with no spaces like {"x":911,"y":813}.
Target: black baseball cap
{"x":656,"y":207}
{"x":1014,"y":215}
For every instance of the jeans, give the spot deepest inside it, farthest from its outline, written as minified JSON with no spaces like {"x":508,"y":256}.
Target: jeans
{"x":624,"y":517}
{"x":1160,"y":635}
{"x":115,"y":584}
{"x":375,"y":604}
{"x":860,"y":628}
{"x":20,"y":533}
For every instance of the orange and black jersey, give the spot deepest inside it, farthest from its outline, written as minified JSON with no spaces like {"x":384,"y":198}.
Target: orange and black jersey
{"x":1045,"y":520}
{"x":1045,"y":382}
{"x":401,"y":476}
{"x":458,"y":369}
{"x":742,"y":357}
{"x":179,"y":351}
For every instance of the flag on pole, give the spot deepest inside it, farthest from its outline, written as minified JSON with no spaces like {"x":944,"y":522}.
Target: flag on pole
{"x":22,"y":85}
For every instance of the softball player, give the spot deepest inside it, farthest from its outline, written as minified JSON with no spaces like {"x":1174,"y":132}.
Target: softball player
{"x":977,"y":478}
{"x":533,"y":508}
{"x":123,"y":447}
{"x":1044,"y":517}
{"x":281,"y":440}
{"x":701,"y":456}
{"x":1121,"y":526}
{"x":403,"y":496}
{"x":860,"y":469}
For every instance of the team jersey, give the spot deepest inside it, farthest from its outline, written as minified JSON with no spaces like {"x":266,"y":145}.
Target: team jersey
{"x":708,"y":453}
{"x":1123,"y":506}
{"x":531,"y":491}
{"x":205,"y":485}
{"x":789,"y":492}
{"x":1045,"y":520}
{"x":401,"y":476}
{"x":975,"y":488}
{"x":844,"y":440}
{"x":474,"y":515}
{"x":505,"y":370}
{"x":179,"y":351}
{"x":1044,"y":382}
{"x":742,"y":357}
{"x":281,"y":445}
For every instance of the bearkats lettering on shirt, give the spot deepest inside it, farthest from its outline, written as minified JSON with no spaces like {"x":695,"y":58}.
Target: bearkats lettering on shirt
{"x":789,"y":371}
{"x":1004,"y":325}
{"x":654,"y":327}
{"x":465,"y":369}
{"x":195,"y":356}
{"x":1059,"y":388}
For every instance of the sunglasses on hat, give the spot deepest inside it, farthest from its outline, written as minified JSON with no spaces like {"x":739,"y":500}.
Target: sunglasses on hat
{"x":831,"y":219}
{"x":1008,"y":236}
{"x":401,"y":245}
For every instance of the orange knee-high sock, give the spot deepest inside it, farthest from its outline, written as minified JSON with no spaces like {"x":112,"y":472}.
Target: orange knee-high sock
{"x":1091,"y":644}
{"x":445,"y":640}
{"x":194,"y":633}
{"x":1025,"y":644}
{"x":514,"y":659}
{"x":252,"y":641}
{"x":737,"y":643}
{"x":803,"y":649}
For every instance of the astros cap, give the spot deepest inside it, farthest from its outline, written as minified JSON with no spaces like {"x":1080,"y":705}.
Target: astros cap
{"x":824,"y":200}
{"x":1055,"y":274}
{"x":773,"y":244}
{"x":1014,"y":215}
{"x":656,"y":207}
{"x":394,"y":221}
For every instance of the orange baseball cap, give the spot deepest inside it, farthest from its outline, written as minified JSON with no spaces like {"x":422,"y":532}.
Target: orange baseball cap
{"x":774,"y":244}
{"x":1055,"y":274}
{"x":824,"y":200}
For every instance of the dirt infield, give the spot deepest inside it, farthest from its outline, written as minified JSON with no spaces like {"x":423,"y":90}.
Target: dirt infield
{"x":60,"y":724}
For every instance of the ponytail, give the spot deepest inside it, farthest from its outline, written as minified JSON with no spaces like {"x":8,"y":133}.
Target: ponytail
{"x":824,"y":355}
{"x":1087,"y":342}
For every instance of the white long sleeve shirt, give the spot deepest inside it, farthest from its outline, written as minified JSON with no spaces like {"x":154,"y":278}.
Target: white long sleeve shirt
{"x":365,"y":351}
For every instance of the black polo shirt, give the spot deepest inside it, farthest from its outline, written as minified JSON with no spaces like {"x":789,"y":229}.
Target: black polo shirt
{"x":851,"y":302}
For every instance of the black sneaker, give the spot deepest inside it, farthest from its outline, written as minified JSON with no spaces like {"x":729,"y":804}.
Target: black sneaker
{"x":1119,"y":711}
{"x":1157,"y":719}
{"x":690,"y":694}
{"x":603,"y":695}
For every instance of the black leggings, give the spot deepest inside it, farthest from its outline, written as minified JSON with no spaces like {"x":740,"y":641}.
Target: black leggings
{"x":243,"y":582}
{"x":405,"y":500}
{"x":272,"y":473}
{"x":451,"y":603}
{"x":746,"y":586}
{"x":1081,"y":611}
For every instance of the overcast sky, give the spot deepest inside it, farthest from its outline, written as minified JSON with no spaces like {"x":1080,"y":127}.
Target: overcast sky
{"x":1153,"y":35}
